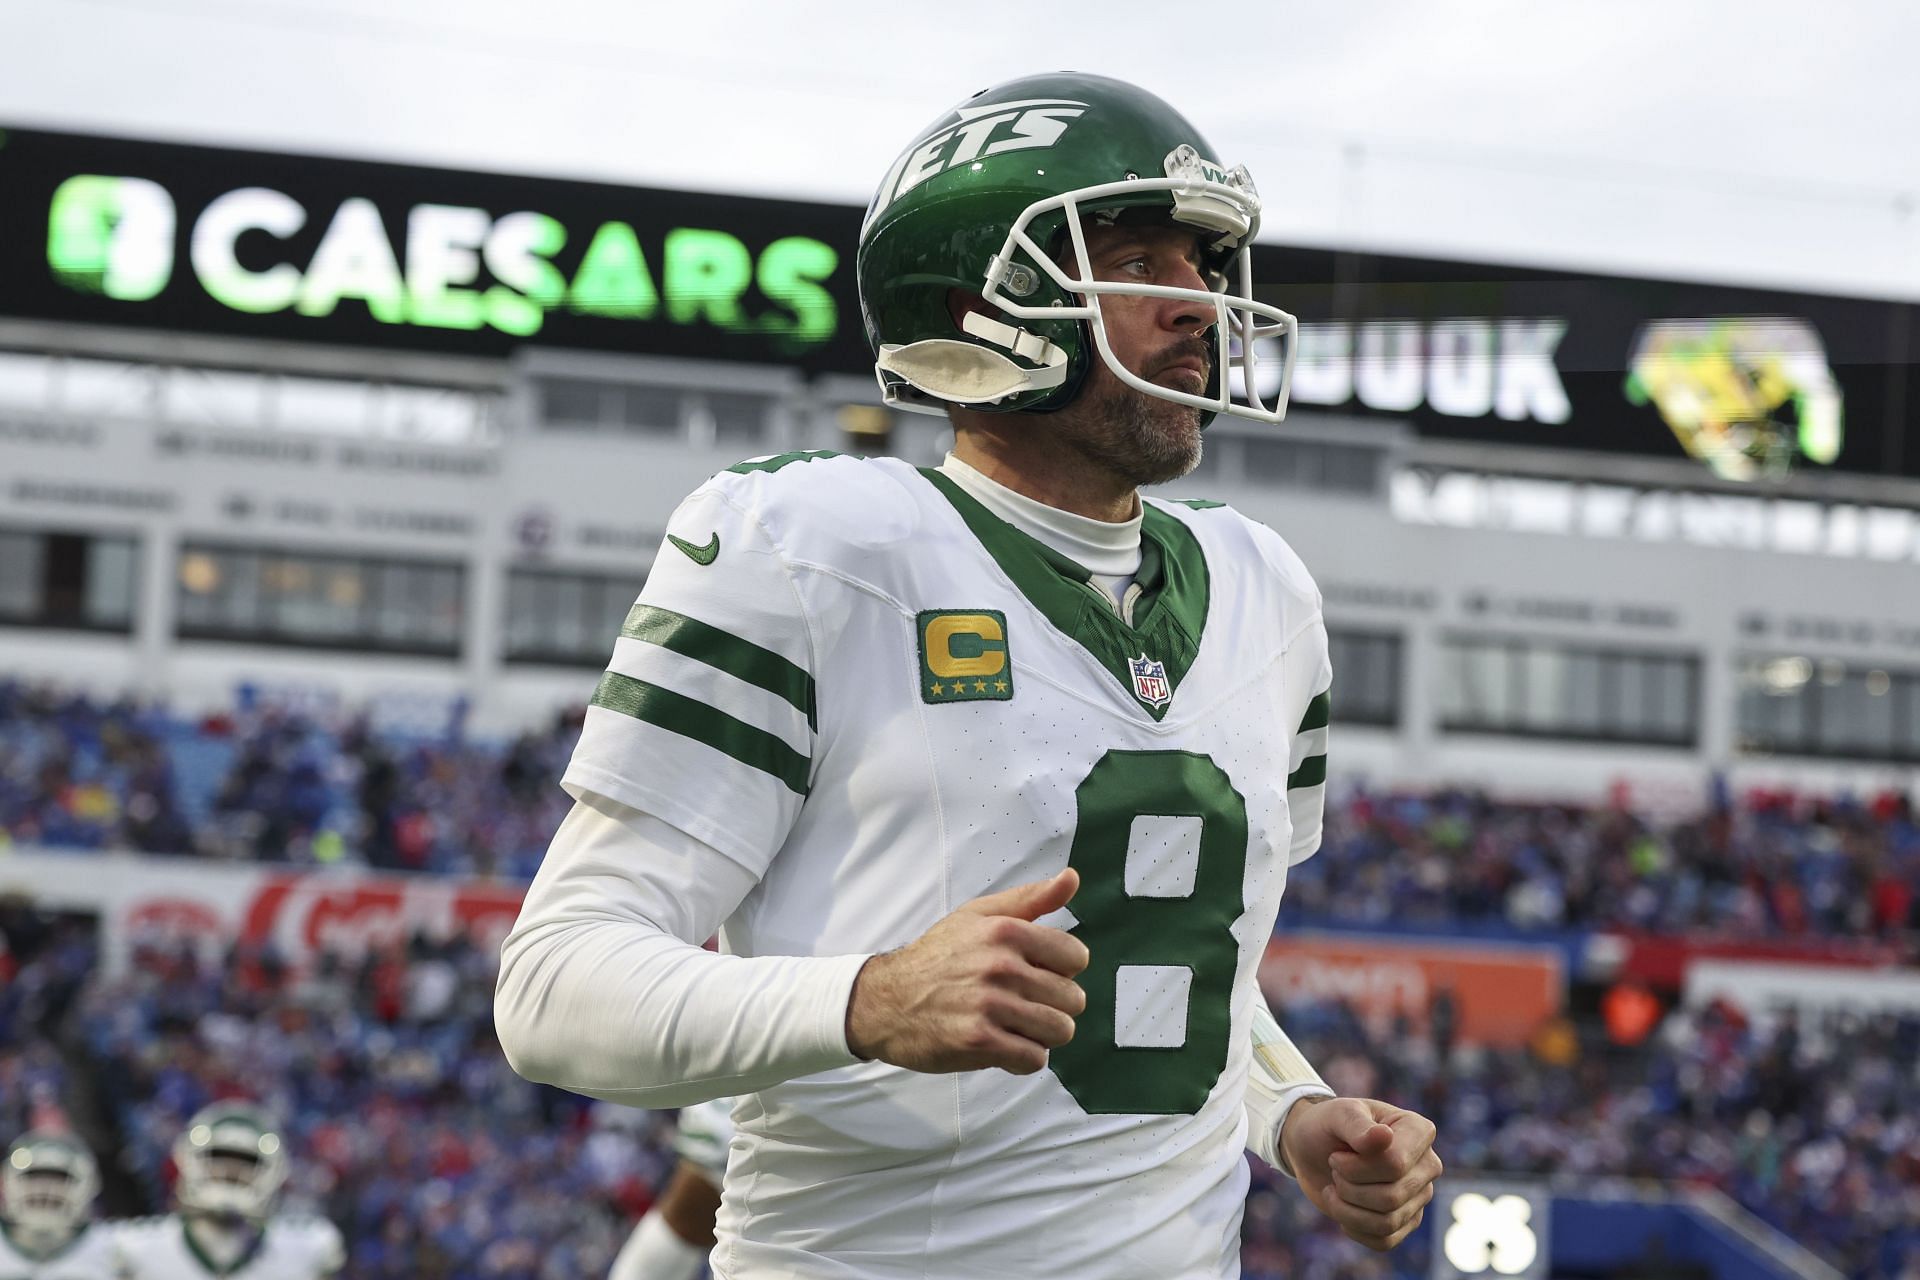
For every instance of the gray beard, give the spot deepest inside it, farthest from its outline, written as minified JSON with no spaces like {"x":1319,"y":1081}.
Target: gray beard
{"x":1142,"y":439}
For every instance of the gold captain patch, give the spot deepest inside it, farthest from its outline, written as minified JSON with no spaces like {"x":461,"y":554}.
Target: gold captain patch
{"x":964,"y":656}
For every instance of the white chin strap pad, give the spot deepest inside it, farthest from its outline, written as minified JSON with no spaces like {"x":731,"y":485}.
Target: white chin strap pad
{"x":968,"y":373}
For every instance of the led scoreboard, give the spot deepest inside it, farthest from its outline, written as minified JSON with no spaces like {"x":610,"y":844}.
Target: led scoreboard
{"x":1753,"y":384}
{"x":278,"y":246}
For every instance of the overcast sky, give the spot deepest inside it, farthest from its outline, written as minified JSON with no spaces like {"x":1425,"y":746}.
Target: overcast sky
{"x":1741,"y":140}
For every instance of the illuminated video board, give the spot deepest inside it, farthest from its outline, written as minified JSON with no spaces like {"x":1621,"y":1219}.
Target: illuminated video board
{"x":1751,"y":383}
{"x":293,"y":247}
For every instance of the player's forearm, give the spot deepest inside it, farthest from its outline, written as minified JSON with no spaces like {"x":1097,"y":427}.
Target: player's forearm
{"x":654,"y":1252}
{"x":606,"y":1009}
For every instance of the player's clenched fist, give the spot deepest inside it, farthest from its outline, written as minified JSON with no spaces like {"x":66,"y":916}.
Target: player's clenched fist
{"x":984,"y":987}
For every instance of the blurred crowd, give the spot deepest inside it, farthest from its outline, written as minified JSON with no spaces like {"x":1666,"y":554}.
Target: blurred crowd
{"x":406,"y":1126}
{"x":408,"y":1130}
{"x":262,"y":783}
{"x":1761,"y":864}
{"x":1812,"y":1126}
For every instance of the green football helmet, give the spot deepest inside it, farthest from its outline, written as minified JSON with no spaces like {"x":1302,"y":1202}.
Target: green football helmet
{"x":991,"y":198}
{"x":47,"y":1185}
{"x":229,"y":1160}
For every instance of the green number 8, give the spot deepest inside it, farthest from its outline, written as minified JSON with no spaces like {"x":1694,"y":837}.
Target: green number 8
{"x":1194,"y":932}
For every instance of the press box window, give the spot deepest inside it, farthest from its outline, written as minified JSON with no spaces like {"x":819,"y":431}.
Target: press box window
{"x":71,"y":580}
{"x":1366,"y":677}
{"x":323,"y":601}
{"x":1542,"y":689}
{"x":567,"y":619}
{"x":734,"y":418}
{"x":1796,"y":705}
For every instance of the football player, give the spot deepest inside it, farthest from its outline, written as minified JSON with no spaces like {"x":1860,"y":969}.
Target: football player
{"x":229,"y":1163}
{"x":671,"y":1240}
{"x":47,"y":1188}
{"x":991,"y":774}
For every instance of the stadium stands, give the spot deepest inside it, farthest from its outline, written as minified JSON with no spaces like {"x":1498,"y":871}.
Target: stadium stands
{"x":263,"y":784}
{"x":410,"y":1131}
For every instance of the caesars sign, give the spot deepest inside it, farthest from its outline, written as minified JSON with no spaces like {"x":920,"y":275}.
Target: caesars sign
{"x":1749,"y":383}
{"x":344,"y":252}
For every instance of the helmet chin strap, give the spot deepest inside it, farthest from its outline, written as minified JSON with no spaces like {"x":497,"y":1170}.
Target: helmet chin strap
{"x":969,"y":373}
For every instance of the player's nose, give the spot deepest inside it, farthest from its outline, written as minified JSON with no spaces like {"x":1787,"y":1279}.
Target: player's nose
{"x":1187,"y":314}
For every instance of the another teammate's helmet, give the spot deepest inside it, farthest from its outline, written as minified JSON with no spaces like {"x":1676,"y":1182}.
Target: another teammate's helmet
{"x":229,"y":1160}
{"x":48,"y":1184}
{"x":992,"y":199}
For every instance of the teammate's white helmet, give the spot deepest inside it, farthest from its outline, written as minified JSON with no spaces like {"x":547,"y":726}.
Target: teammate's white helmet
{"x":230,"y":1160}
{"x":48,"y":1184}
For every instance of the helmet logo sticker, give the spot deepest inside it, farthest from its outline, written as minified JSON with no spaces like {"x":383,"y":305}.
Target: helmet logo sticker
{"x":983,"y":131}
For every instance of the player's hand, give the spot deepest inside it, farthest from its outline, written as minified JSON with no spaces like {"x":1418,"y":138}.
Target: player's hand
{"x":984,"y":987}
{"x":1367,"y":1165}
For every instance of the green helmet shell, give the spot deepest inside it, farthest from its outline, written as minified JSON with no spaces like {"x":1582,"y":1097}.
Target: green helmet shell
{"x":946,"y":206}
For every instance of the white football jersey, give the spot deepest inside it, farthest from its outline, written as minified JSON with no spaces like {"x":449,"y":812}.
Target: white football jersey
{"x":290,"y":1248}
{"x":702,"y":1135}
{"x":89,"y":1256}
{"x":884,"y":701}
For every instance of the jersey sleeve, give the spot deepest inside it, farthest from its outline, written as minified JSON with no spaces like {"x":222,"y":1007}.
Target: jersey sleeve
{"x":705,"y":714}
{"x":1308,"y":666}
{"x":329,"y":1249}
{"x":127,"y":1241}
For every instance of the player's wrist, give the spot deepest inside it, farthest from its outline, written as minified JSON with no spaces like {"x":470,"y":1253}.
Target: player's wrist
{"x":1296,"y":1109}
{"x":863,"y":1037}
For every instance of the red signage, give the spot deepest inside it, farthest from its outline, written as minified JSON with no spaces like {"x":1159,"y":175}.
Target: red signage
{"x":1500,"y":993}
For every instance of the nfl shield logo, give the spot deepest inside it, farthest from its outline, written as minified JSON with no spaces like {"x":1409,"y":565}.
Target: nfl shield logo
{"x":1150,"y":681}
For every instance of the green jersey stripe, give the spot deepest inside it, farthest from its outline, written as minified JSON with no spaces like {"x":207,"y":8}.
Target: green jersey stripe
{"x":742,"y":659}
{"x":1311,"y":773}
{"x":690,"y":718}
{"x":780,"y":460}
{"x":1318,"y":712}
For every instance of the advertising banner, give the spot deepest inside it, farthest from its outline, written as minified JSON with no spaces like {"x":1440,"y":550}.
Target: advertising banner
{"x":300,"y":913}
{"x":1500,"y":992}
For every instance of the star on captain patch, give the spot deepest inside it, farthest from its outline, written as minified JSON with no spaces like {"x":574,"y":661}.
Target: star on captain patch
{"x":1150,"y":681}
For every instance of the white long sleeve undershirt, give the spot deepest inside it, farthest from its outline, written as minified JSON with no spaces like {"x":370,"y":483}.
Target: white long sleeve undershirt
{"x":1109,"y":550}
{"x":602,"y":992}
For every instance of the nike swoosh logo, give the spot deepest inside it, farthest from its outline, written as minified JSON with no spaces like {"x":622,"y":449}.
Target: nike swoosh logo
{"x":699,"y":555}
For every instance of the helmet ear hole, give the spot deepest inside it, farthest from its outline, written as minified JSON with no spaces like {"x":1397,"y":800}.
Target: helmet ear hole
{"x":963,"y":302}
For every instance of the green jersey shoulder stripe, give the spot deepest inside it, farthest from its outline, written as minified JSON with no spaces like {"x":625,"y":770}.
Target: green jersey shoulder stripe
{"x":690,"y":718}
{"x":742,"y":659}
{"x":779,"y":460}
{"x":1313,"y":770}
{"x":1311,"y":773}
